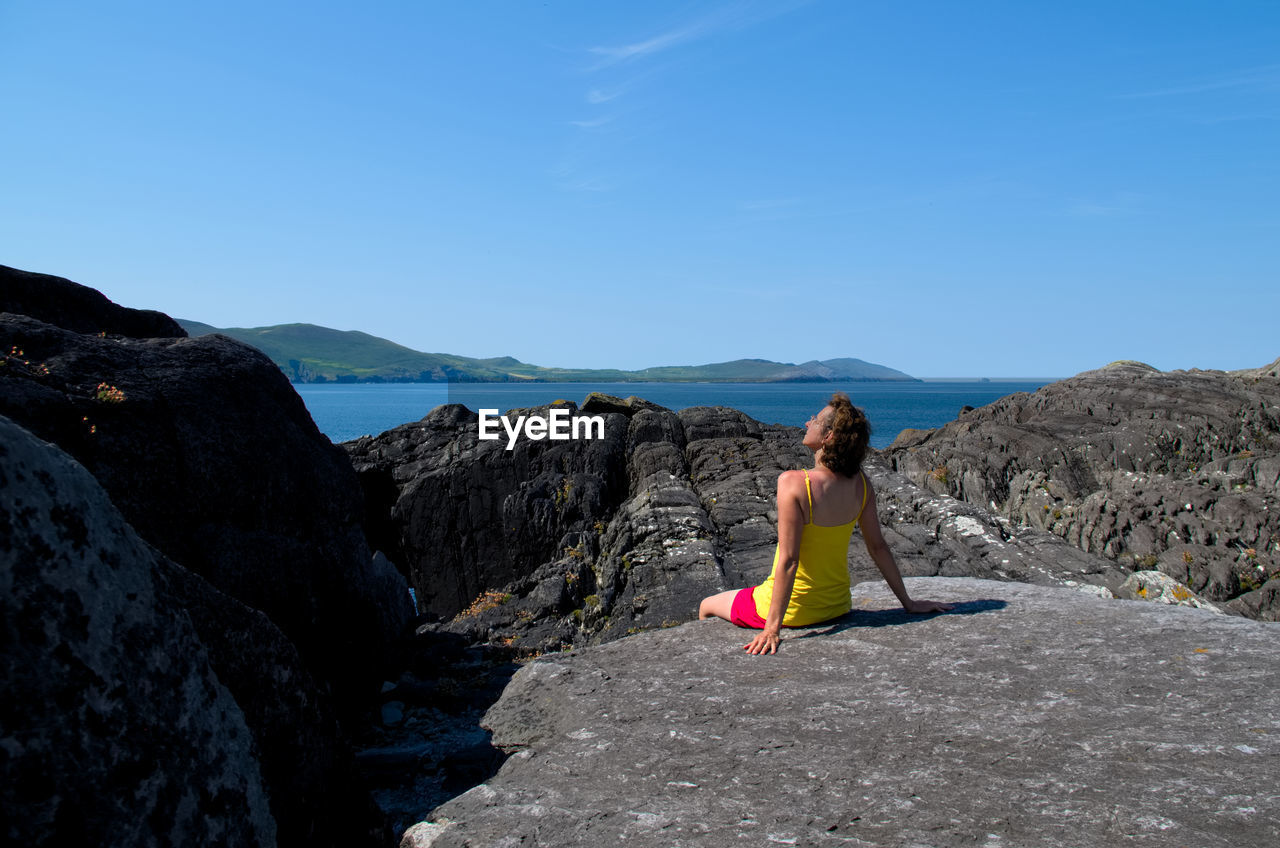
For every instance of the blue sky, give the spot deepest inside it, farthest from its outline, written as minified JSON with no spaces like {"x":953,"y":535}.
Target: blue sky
{"x":951,"y":189}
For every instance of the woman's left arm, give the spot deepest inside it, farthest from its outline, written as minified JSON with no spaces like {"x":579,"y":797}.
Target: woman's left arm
{"x":878,"y":548}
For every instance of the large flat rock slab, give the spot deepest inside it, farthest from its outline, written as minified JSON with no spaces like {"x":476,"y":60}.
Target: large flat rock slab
{"x":1030,"y":715}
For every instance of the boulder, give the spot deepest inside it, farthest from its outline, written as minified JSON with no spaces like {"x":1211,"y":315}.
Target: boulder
{"x":212,"y":457}
{"x":286,"y":723}
{"x":60,"y":302}
{"x":1175,"y":471}
{"x":1029,"y":715}
{"x":114,"y":728}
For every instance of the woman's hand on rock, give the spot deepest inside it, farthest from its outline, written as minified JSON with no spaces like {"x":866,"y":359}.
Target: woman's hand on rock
{"x":926,"y":606}
{"x":765,"y":642}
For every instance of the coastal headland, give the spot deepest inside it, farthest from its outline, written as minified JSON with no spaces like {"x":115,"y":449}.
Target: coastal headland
{"x":208,"y":635}
{"x":310,"y":354}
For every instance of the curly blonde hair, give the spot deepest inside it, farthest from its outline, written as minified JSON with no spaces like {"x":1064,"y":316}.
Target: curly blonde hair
{"x":848,"y":447}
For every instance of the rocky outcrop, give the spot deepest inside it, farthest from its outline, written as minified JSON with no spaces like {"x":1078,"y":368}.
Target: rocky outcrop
{"x":553,"y":544}
{"x":1177,"y":471}
{"x":60,"y":302}
{"x":1027,"y":716}
{"x":211,"y":456}
{"x":259,"y":552}
{"x":114,"y":728}
{"x":130,"y":682}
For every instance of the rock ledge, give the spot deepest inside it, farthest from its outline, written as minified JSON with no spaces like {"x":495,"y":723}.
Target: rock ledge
{"x":1030,"y":715}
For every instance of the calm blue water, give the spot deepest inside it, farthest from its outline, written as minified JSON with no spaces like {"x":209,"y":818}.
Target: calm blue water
{"x":344,"y":412}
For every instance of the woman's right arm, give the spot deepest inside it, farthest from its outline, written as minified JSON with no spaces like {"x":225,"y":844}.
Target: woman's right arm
{"x":880,"y":554}
{"x":791,"y":521}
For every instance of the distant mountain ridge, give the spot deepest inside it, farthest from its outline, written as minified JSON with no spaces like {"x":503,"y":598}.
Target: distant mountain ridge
{"x":308,"y":353}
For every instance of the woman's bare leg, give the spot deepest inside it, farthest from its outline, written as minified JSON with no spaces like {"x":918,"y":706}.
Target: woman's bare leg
{"x":720,"y":606}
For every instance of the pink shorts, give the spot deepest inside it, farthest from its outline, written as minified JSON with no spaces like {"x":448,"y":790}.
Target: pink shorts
{"x":743,"y":612}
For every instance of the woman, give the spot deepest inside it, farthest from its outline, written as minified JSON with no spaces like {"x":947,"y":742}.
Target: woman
{"x":817,"y":511}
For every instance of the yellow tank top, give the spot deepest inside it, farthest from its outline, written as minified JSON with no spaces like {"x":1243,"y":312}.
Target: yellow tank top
{"x":821,"y":589}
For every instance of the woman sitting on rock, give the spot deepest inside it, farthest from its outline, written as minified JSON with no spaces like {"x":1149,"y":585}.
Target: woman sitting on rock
{"x":817,"y":511}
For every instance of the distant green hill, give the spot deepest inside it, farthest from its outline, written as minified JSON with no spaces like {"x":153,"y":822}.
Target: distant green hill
{"x":311,"y":354}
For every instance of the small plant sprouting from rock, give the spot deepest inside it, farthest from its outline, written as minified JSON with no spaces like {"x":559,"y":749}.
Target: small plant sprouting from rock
{"x":485,"y":602}
{"x":939,"y":474}
{"x":561,"y":496}
{"x":107,"y":393}
{"x":19,"y":356}
{"x":1187,"y":557}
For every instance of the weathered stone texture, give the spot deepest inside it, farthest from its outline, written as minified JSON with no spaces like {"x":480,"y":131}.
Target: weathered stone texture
{"x":1178,"y":471}
{"x":1030,"y":715}
{"x":114,"y":729}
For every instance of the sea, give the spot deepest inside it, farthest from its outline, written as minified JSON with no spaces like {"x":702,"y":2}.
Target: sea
{"x":345,"y":411}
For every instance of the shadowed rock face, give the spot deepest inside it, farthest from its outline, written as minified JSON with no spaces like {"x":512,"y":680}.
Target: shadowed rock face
{"x":106,"y":645}
{"x":114,"y":728}
{"x":1178,"y":471}
{"x":1028,"y":716}
{"x":211,"y":456}
{"x":574,"y":542}
{"x":60,"y":302}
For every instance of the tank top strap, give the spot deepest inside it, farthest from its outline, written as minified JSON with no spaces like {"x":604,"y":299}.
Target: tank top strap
{"x":808,"y":491}
{"x":864,"y":496}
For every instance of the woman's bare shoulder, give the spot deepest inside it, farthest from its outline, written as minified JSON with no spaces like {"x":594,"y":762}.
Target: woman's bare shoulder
{"x":791,"y":482}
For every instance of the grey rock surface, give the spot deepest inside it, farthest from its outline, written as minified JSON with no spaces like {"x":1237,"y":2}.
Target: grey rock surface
{"x":114,"y":728}
{"x":1177,"y":471}
{"x":1029,"y":715}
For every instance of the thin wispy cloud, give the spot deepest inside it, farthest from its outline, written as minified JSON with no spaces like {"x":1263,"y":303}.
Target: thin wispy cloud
{"x":599,"y":95}
{"x":1266,"y":76}
{"x":594,"y":124}
{"x":587,"y":169}
{"x":612,"y":55}
{"x":734,"y":16}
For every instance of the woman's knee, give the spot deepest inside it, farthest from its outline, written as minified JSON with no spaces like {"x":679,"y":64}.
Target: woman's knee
{"x":718,"y":605}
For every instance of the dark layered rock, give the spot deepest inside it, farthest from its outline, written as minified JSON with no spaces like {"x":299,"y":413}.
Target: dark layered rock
{"x":211,"y":456}
{"x":69,"y":555}
{"x":1029,"y":715}
{"x":574,"y":542}
{"x":114,"y":727}
{"x":316,"y":793}
{"x":60,"y":302}
{"x":1177,"y":471}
